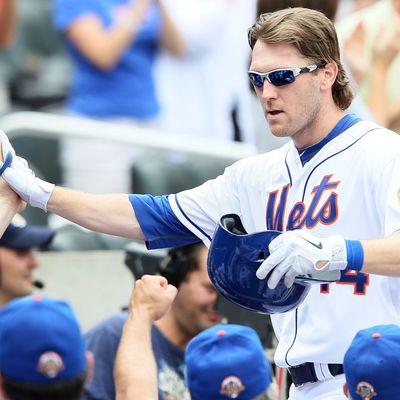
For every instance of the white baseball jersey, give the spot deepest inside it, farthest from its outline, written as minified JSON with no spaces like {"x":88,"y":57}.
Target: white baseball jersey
{"x":350,"y":186}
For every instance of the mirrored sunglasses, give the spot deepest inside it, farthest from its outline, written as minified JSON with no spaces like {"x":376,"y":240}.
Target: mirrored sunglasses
{"x":279,"y":77}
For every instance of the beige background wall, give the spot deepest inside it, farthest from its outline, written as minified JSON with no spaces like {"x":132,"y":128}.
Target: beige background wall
{"x":96,"y":283}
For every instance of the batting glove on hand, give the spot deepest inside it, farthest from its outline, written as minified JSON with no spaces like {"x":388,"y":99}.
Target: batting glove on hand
{"x":298,"y":252}
{"x":22,"y":179}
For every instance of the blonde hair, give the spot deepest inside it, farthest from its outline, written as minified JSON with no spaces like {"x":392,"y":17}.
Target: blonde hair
{"x":314,"y":36}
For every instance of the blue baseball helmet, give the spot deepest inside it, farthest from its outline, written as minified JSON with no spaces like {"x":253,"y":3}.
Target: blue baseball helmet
{"x":233,"y":259}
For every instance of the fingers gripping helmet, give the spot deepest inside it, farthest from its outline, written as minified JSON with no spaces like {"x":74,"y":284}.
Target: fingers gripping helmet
{"x":233,"y":259}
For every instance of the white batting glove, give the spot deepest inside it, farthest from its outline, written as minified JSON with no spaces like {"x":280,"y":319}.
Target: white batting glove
{"x":298,"y":252}
{"x":22,"y":179}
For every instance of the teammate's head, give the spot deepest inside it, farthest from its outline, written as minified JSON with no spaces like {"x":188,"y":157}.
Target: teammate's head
{"x":194,"y":306}
{"x":42,"y":352}
{"x":314,"y":37}
{"x":17,"y":260}
{"x":372,"y":364}
{"x":227,"y":361}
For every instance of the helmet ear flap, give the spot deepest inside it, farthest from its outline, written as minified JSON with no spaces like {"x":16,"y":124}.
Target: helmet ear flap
{"x":233,"y":259}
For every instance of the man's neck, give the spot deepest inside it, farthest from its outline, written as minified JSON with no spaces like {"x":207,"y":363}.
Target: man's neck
{"x":169,"y":327}
{"x":3,"y":299}
{"x":319,"y":130}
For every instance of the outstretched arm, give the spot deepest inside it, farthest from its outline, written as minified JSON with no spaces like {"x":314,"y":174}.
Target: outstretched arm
{"x":108,"y":213}
{"x":112,"y":214}
{"x":135,"y":367}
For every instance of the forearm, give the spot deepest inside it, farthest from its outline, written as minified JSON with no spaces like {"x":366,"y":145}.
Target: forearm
{"x":171,"y":37}
{"x":394,"y":113}
{"x":104,"y":46}
{"x":378,"y":102}
{"x":135,"y":367}
{"x":382,"y":256}
{"x":112,"y":214}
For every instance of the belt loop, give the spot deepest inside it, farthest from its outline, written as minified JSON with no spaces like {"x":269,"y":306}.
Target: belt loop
{"x":322,"y":371}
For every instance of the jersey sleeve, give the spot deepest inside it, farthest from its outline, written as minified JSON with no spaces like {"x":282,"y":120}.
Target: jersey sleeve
{"x":189,"y":216}
{"x":158,"y":222}
{"x":200,"y":209}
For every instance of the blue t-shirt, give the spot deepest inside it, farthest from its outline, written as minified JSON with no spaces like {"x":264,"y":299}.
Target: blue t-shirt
{"x":103,"y":340}
{"x":128,"y":89}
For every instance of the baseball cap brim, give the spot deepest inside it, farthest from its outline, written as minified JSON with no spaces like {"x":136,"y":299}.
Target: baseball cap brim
{"x":28,"y":236}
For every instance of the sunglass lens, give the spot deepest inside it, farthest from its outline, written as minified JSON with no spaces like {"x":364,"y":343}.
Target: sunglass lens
{"x":280,"y":78}
{"x":256,"y":79}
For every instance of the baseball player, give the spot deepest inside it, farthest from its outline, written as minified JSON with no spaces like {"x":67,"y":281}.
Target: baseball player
{"x":337,"y":178}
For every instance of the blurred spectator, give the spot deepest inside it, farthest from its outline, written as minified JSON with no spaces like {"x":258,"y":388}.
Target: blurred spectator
{"x":371,"y":364}
{"x":17,"y":260}
{"x":200,"y":92}
{"x":329,"y":7}
{"x":192,"y":311}
{"x":370,"y":40}
{"x":223,"y":361}
{"x":42,"y":352}
{"x":7,"y":28}
{"x":113,"y":45}
{"x":7,"y":21}
{"x":346,"y":7}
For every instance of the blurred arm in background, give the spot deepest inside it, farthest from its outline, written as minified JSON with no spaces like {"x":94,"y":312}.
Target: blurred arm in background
{"x":7,"y":21}
{"x":104,"y":46}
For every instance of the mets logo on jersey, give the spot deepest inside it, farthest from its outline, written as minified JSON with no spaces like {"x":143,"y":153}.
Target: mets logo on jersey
{"x":50,"y":364}
{"x":321,"y":209}
{"x":365,"y":390}
{"x":231,"y":387}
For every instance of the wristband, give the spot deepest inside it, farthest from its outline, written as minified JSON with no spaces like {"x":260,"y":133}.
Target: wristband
{"x":355,"y":255}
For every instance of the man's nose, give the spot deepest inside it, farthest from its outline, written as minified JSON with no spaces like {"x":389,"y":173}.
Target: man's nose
{"x":32,"y":260}
{"x":268,"y":91}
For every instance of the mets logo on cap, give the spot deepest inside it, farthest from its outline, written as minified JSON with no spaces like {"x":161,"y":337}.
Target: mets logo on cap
{"x":365,"y":390}
{"x":231,"y":387}
{"x":50,"y":364}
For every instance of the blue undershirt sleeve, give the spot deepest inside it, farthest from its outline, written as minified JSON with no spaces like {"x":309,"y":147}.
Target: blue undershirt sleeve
{"x":158,"y":222}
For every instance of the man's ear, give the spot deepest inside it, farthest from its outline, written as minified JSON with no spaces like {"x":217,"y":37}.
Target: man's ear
{"x":3,"y":394}
{"x":346,"y":390}
{"x":90,"y":365}
{"x":330,"y":72}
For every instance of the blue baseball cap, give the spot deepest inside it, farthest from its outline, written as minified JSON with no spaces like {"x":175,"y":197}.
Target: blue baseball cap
{"x":372,"y":363}
{"x":226,"y":362}
{"x":40,"y":341}
{"x":20,"y":235}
